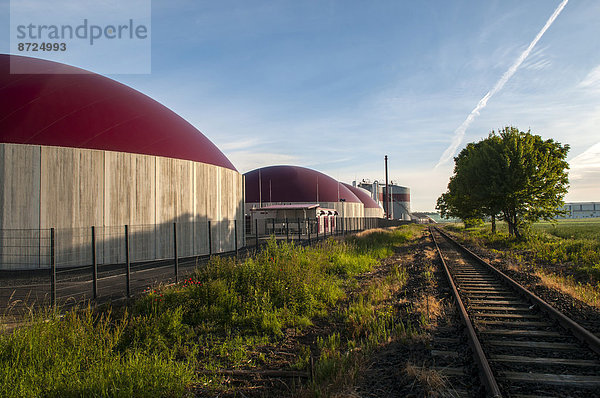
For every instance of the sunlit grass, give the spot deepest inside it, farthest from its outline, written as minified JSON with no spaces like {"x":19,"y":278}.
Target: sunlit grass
{"x":212,"y":320}
{"x":78,"y":355}
{"x":586,"y":292}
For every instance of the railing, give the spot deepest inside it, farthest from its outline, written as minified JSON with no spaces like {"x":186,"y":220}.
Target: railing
{"x":60,"y":265}
{"x":305,"y":230}
{"x":64,"y":266}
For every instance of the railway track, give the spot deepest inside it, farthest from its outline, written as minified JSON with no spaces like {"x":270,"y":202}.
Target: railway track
{"x":522,"y":346}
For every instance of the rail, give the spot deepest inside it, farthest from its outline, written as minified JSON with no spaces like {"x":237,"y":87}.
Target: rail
{"x":520,"y":343}
{"x":487,"y":376}
{"x":581,"y":333}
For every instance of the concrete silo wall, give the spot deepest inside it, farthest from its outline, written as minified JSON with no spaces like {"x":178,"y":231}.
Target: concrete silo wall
{"x":72,"y":189}
{"x":346,"y":209}
{"x":373,"y":212}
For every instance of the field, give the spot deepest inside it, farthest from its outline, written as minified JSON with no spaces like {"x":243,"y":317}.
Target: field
{"x":565,"y":253}
{"x":571,"y":229}
{"x":235,"y":315}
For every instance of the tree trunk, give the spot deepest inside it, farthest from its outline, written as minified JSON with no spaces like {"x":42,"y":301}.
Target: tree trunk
{"x":517,"y":233}
{"x":513,"y":229}
{"x":509,"y":221}
{"x":493,"y":224}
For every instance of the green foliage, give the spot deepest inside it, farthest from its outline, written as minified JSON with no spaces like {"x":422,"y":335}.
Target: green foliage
{"x":514,"y":174}
{"x":380,"y":243}
{"x":209,"y":321}
{"x":77,"y":355}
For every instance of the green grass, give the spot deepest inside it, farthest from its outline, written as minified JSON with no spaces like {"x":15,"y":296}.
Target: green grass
{"x":380,"y":243}
{"x":371,"y":319}
{"x":211,"y":321}
{"x":78,"y":355}
{"x":571,"y":229}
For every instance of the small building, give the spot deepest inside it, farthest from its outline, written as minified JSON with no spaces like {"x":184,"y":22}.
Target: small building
{"x":292,"y":218}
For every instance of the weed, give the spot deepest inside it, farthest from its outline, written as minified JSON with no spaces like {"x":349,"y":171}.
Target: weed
{"x":431,"y":380}
{"x":76,"y":355}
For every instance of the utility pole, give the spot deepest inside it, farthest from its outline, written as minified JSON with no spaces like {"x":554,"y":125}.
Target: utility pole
{"x":387,"y":191}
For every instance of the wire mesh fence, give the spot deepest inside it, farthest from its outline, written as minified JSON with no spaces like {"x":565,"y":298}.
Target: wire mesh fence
{"x":70,"y":265}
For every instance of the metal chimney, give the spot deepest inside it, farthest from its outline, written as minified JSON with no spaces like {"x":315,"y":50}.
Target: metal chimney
{"x":387,"y":191}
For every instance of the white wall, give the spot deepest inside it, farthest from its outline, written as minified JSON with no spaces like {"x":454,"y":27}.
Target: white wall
{"x":72,"y":189}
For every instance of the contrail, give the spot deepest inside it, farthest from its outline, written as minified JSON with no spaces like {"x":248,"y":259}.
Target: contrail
{"x":459,"y":133}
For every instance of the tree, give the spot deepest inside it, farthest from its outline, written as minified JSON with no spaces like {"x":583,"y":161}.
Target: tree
{"x":515,"y":175}
{"x":470,"y":195}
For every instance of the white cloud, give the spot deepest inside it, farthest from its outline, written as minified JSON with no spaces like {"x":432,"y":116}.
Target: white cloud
{"x":235,"y":145}
{"x":586,"y":162}
{"x":585,"y":175}
{"x":538,"y":65}
{"x":245,"y":161}
{"x":537,"y":60}
{"x":592,"y":80}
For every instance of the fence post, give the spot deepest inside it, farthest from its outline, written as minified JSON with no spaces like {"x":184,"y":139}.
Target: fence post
{"x":307,"y":220}
{"x":209,"y":240}
{"x":94,"y":265}
{"x":318,"y":223}
{"x":52,"y":270}
{"x":299,"y":231}
{"x":287,"y":230}
{"x":273,"y":226}
{"x":256,"y":231}
{"x":236,"y":236}
{"x":127,"y":262}
{"x":175,"y":252}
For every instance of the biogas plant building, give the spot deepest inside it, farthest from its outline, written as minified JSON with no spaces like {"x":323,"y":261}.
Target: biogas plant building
{"x":78,"y":149}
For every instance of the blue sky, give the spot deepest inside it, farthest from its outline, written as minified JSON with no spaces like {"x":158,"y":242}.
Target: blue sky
{"x":336,"y":85}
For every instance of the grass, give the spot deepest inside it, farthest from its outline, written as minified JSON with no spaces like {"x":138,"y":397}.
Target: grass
{"x":78,"y":355}
{"x":370,"y":319}
{"x":432,"y":381}
{"x":565,"y":253}
{"x":215,"y":319}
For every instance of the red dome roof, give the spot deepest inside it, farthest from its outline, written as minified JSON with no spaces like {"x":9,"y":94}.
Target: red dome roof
{"x":59,"y":105}
{"x":294,"y":184}
{"x":364,"y":197}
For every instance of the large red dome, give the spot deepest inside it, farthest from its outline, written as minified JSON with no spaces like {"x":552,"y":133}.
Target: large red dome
{"x":294,"y":184}
{"x":59,"y":105}
{"x":364,"y":197}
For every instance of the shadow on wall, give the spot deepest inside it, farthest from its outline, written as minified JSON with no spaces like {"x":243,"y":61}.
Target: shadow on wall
{"x":28,"y":249}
